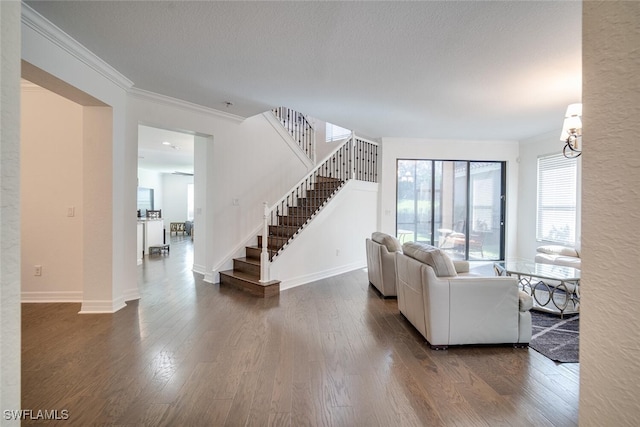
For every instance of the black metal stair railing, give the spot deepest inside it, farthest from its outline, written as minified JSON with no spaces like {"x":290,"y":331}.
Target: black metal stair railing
{"x":299,"y":128}
{"x":366,"y":160}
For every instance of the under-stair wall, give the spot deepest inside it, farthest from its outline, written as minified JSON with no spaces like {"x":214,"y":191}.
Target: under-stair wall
{"x":333,"y":241}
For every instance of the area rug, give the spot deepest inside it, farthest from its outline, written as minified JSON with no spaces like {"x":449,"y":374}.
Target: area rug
{"x":554,"y":337}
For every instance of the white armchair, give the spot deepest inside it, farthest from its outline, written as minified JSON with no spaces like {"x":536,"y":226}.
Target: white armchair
{"x":381,"y":262}
{"x":452,"y":309}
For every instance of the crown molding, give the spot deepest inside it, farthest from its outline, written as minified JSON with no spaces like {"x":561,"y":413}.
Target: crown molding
{"x":48,"y":30}
{"x":185,"y":105}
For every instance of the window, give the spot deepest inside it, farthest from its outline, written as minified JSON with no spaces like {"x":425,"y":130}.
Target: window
{"x":145,"y":200}
{"x":557,"y":194}
{"x":190,"y":202}
{"x":457,"y":206}
{"x":336,"y":133}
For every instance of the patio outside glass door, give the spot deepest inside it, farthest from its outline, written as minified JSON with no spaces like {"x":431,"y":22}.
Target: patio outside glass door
{"x":455,"y":205}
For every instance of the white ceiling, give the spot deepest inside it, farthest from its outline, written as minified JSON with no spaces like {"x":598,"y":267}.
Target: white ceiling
{"x":435,"y":69}
{"x":165,"y":151}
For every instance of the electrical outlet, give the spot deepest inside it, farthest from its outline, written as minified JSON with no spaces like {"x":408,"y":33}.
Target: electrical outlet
{"x":37,"y":270}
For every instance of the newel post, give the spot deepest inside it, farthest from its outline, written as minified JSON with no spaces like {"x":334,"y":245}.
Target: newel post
{"x":264,"y":255}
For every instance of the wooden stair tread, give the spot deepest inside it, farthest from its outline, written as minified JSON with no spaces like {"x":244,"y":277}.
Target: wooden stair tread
{"x":253,"y":261}
{"x":242,"y":275}
{"x":250,"y":282}
{"x":260,"y":249}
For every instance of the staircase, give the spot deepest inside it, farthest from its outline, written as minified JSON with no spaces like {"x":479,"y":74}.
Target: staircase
{"x":291,"y":219}
{"x":355,"y":159}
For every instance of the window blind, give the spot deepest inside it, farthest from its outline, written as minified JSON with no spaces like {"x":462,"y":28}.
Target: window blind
{"x":556,"y":210}
{"x":336,"y":133}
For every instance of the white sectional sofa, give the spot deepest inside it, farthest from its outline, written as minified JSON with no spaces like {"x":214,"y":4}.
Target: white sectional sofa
{"x":558,"y":255}
{"x":381,"y":262}
{"x":450,"y":308}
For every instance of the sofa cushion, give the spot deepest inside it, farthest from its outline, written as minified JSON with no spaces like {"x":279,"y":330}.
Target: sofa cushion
{"x":435,"y":258}
{"x":557,"y":250}
{"x":391,"y":243}
{"x":565,"y":261}
{"x":525,"y":301}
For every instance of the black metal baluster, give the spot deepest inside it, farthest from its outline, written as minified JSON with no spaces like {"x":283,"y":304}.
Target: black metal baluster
{"x":368,"y":178}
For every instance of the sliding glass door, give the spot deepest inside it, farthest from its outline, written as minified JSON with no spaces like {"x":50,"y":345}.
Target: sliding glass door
{"x":455,"y":205}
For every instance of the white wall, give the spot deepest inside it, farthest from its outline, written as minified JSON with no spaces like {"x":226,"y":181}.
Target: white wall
{"x":610,"y":297}
{"x":101,"y":294}
{"x":10,"y":208}
{"x":408,"y":148}
{"x":72,"y":69}
{"x":530,"y":150}
{"x":334,"y":241}
{"x":51,"y":180}
{"x":323,"y":148}
{"x":175,"y":203}
{"x":249,"y":163}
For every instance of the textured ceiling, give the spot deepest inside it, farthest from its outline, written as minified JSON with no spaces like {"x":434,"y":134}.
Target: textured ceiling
{"x":473,"y":70}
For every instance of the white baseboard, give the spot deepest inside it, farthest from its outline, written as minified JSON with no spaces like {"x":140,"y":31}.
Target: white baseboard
{"x":210,"y":277}
{"x":308,"y":278}
{"x":200,"y":269}
{"x":44,"y":297}
{"x":102,"y":306}
{"x":131,"y":294}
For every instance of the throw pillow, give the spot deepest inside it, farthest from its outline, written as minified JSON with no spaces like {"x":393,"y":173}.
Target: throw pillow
{"x":557,"y":250}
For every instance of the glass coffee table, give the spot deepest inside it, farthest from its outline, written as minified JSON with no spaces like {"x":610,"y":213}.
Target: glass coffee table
{"x":554,"y":288}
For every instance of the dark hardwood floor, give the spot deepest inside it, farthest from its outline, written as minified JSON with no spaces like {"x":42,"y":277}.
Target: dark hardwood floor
{"x":328,"y":353}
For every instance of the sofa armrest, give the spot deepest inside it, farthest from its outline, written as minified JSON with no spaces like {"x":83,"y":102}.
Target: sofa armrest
{"x":388,"y":260}
{"x":525,"y":301}
{"x":483,"y":310}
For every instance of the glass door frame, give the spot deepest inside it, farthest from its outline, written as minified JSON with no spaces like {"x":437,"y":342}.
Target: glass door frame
{"x":468,"y":207}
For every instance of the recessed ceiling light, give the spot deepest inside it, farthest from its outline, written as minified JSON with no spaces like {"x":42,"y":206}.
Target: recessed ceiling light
{"x":166,"y":143}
